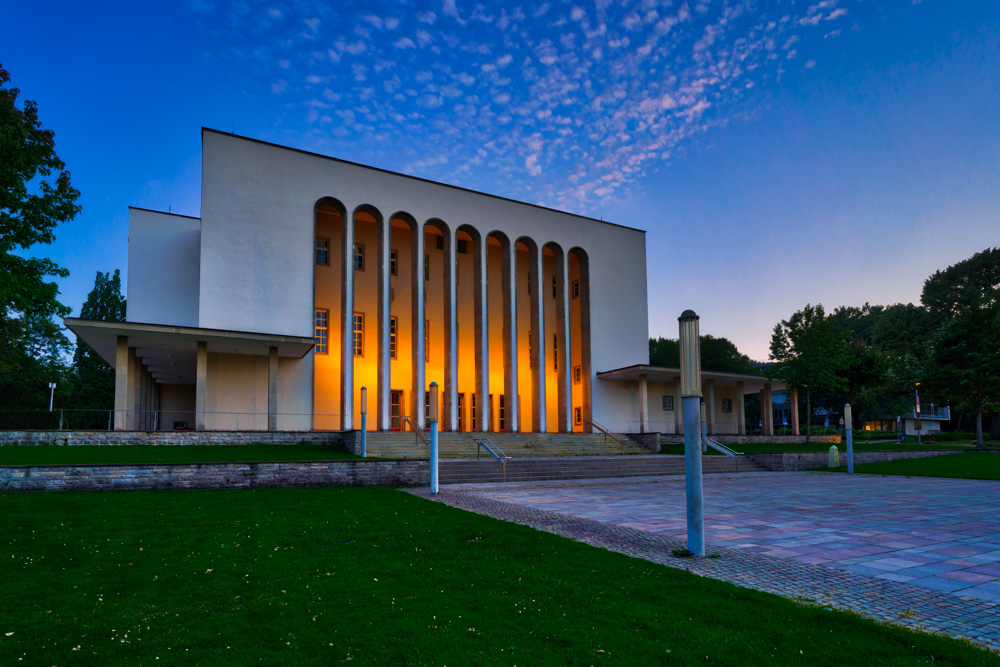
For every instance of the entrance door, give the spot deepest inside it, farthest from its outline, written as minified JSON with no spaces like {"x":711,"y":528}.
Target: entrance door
{"x":395,"y":410}
{"x":461,"y":412}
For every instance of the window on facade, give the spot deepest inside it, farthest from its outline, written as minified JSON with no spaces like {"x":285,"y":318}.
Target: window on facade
{"x":393,"y":327}
{"x":427,"y":409}
{"x":322,"y":251}
{"x":576,"y":289}
{"x":427,"y":340}
{"x":727,"y":405}
{"x":394,"y":262}
{"x":359,"y":257}
{"x":529,"y":286}
{"x":531,"y":348}
{"x":555,"y":352}
{"x":554,"y":292}
{"x":463,"y":246}
{"x":322,"y":331}
{"x":577,"y":416}
{"x":668,"y":403}
{"x":359,"y":334}
{"x":427,"y":267}
{"x":461,"y":413}
{"x":473,"y":427}
{"x":439,"y":243}
{"x":503,"y":414}
{"x":577,"y":374}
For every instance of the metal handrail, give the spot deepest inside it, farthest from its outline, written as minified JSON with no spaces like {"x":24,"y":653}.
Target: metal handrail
{"x":607,"y":434}
{"x":719,"y":447}
{"x":495,"y":451}
{"x":416,"y":429}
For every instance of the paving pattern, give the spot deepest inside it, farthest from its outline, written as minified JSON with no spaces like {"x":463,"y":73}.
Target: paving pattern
{"x":921,"y":552}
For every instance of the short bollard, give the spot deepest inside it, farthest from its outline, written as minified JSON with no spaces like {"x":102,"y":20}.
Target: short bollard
{"x":834,"y":458}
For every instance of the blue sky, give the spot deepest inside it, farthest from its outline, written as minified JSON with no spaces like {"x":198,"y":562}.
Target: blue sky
{"x":778,"y":153}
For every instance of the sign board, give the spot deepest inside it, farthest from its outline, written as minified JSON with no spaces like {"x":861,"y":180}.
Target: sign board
{"x":826,"y":422}
{"x":784,"y":421}
{"x":841,"y":421}
{"x":916,"y":424}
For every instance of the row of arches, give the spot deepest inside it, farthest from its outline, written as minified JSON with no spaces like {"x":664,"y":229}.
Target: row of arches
{"x":501,"y":324}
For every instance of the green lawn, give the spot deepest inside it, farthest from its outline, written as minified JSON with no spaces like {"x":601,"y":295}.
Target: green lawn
{"x":967,"y":465}
{"x":818,"y":447}
{"x":92,"y":454}
{"x":375,"y":576}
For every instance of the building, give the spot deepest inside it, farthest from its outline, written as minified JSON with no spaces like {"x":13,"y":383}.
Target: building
{"x":311,"y":288}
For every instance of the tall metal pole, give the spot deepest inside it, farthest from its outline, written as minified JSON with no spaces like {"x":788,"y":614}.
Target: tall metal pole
{"x":704,"y":429}
{"x":434,"y":436}
{"x":690,"y":345}
{"x":52,"y":394}
{"x":850,"y":442}
{"x":916,"y":393}
{"x":364,"y":422}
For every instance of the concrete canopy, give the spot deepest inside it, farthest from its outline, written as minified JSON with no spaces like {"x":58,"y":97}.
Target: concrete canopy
{"x":752,"y":384}
{"x":170,"y":352}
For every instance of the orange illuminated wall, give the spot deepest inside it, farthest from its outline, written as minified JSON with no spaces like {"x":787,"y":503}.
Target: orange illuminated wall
{"x":466,"y":326}
{"x":326,"y":377}
{"x":524,"y":370}
{"x":366,"y":303}
{"x":575,"y":292}
{"x":551,"y":329}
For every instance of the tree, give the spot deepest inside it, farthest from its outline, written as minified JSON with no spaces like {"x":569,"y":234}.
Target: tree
{"x":30,"y":208}
{"x":95,"y":380}
{"x":809,"y":352}
{"x":717,"y":354}
{"x":964,"y":303}
{"x":864,"y":362}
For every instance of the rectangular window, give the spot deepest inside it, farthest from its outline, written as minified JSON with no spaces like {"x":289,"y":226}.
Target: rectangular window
{"x":529,"y":286}
{"x":555,"y":352}
{"x":427,"y":267}
{"x":322,"y":251}
{"x":554,"y":292}
{"x":463,"y":246}
{"x":427,"y":340}
{"x":359,"y":257}
{"x":322,"y":331}
{"x":727,"y":405}
{"x":577,"y":374}
{"x":577,"y":416}
{"x":439,"y":243}
{"x":427,"y":409}
{"x":576,"y":289}
{"x":668,"y":403}
{"x":503,"y":414}
{"x":393,"y":327}
{"x":359,"y":334}
{"x":474,"y":426}
{"x":531,"y":348}
{"x":394,"y":262}
{"x":461,"y":413}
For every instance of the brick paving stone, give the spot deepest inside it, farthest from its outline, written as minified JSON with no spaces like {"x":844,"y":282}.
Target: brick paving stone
{"x":945,"y":521}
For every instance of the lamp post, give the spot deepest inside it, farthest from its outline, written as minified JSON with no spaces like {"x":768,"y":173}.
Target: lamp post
{"x":850,"y":442}
{"x":434,"y":436}
{"x":916,"y":394}
{"x":52,"y":394}
{"x":690,"y":345}
{"x":364,"y":422}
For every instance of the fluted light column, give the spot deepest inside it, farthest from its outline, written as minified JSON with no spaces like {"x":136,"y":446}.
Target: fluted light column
{"x":538,"y":398}
{"x":347,"y":324}
{"x":509,"y":278}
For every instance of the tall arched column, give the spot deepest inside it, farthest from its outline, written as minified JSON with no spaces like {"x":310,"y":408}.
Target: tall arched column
{"x":384,"y":361}
{"x":564,"y":376}
{"x":451,"y":332}
{"x":510,"y":387}
{"x":417,"y":401}
{"x":583,"y":298}
{"x":538,"y":402}
{"x":481,"y":338}
{"x":347,"y":325}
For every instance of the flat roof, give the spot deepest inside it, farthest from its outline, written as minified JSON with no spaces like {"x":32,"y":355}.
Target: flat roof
{"x":170,"y":352}
{"x":417,"y":178}
{"x":751,"y":383}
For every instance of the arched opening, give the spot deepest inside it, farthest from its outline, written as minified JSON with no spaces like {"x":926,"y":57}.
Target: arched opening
{"x":362,"y":334}
{"x":437,"y":315}
{"x":553,"y":293}
{"x":579,"y":316}
{"x":402,"y":330}
{"x":530,"y":334}
{"x":329,"y":251}
{"x":471,"y":319}
{"x":503,"y":384}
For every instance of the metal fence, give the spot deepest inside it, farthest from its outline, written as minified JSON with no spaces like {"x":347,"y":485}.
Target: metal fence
{"x":80,"y":419}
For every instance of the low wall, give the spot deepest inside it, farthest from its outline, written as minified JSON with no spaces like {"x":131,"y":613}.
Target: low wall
{"x":668,"y":439}
{"x":781,"y":461}
{"x":70,"y":438}
{"x":270,"y":474}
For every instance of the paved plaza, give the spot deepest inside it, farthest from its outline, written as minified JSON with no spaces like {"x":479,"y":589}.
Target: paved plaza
{"x":922,"y":552}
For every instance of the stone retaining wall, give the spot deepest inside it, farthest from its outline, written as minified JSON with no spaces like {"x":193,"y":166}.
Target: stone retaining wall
{"x":71,"y":438}
{"x":271,"y":474}
{"x":781,"y":461}
{"x":669,"y":439}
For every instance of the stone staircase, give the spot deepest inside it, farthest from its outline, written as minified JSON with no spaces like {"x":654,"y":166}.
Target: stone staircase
{"x":467,"y":471}
{"x":516,"y":445}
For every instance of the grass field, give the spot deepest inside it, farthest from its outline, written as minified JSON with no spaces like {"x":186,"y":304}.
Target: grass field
{"x":967,"y":465}
{"x":374,"y":576}
{"x":818,"y":447}
{"x":94,"y":454}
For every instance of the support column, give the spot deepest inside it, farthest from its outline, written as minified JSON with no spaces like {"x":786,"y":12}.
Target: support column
{"x":201,"y":387}
{"x":539,"y":404}
{"x":272,"y":389}
{"x":767,"y":410}
{"x":452,"y":418}
{"x":384,"y":304}
{"x":793,"y":398}
{"x":140,"y":396}
{"x":347,"y":324}
{"x":121,"y":383}
{"x":678,"y":416}
{"x":741,"y":415}
{"x":710,"y":405}
{"x":509,"y":278}
{"x":643,"y":402}
{"x":481,"y":338}
{"x":133,"y":390}
{"x":564,"y":375}
{"x":417,"y":400}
